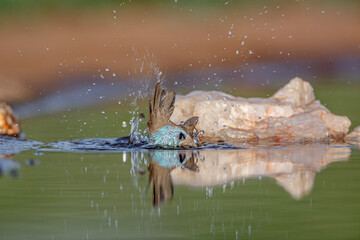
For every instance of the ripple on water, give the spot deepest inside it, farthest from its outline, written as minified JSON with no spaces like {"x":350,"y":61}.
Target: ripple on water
{"x":11,"y":145}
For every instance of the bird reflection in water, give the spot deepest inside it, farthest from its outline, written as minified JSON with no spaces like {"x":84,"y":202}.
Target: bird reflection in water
{"x":161,"y":163}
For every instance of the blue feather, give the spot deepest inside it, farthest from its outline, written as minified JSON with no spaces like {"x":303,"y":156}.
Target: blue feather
{"x":168,"y":136}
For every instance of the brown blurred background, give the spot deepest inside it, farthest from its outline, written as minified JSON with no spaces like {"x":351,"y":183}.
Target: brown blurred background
{"x":52,"y":47}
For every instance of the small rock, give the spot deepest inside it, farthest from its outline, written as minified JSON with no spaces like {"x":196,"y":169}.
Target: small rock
{"x":9,"y":123}
{"x":354,"y":136}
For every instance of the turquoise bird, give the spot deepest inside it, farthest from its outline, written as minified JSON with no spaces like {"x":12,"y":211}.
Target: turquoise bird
{"x":162,"y":131}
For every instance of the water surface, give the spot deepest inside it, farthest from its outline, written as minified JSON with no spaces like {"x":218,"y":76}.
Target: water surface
{"x":289,"y":192}
{"x":95,"y":189}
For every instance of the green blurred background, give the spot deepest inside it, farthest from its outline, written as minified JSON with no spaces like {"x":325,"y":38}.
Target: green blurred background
{"x":57,"y":55}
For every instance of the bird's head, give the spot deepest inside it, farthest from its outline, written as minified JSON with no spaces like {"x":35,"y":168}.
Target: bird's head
{"x":172,"y":136}
{"x":183,"y":135}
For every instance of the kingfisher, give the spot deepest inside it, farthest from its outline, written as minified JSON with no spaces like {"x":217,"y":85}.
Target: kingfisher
{"x":162,"y":131}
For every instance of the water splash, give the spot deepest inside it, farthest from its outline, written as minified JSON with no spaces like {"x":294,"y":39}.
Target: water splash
{"x":145,"y":68}
{"x":136,"y":134}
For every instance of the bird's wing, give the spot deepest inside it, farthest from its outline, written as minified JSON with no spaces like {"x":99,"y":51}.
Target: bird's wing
{"x":161,"y":107}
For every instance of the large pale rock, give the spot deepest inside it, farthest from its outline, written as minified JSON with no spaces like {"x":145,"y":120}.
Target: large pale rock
{"x":292,"y":113}
{"x":293,"y":168}
{"x":9,"y":123}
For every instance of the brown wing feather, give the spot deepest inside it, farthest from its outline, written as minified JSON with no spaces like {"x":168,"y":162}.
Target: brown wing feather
{"x":167,"y":105}
{"x":189,"y":125}
{"x":160,"y":108}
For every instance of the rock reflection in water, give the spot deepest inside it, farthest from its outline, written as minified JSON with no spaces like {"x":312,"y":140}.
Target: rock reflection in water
{"x":294,"y":168}
{"x":8,"y":167}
